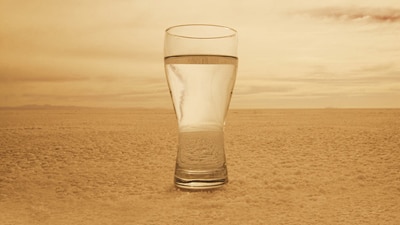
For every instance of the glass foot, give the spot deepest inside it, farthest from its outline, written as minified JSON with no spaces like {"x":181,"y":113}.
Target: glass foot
{"x":200,"y":179}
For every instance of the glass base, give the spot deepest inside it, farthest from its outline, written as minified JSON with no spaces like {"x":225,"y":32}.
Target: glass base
{"x":200,"y":179}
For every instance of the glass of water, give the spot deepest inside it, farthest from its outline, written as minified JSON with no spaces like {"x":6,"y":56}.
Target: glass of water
{"x":200,"y":65}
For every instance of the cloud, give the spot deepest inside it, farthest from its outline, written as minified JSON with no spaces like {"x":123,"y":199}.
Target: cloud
{"x":261,"y":89}
{"x":135,"y":93}
{"x":376,"y":15}
{"x":324,"y":82}
{"x":77,"y":53}
{"x":17,"y":75}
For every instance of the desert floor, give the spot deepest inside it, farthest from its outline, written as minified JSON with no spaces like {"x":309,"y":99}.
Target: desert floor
{"x":116,"y":166}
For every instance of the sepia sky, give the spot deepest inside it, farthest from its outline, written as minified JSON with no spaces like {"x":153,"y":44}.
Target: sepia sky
{"x":292,"y":54}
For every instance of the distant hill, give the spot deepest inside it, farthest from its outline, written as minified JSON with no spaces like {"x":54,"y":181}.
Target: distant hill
{"x":46,"y":106}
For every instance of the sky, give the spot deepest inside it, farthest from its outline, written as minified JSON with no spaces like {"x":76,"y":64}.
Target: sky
{"x":292,"y":54}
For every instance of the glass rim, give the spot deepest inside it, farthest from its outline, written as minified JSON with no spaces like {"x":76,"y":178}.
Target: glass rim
{"x":233,"y":32}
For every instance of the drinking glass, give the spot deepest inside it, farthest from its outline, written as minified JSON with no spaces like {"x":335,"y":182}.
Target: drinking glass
{"x":200,"y":65}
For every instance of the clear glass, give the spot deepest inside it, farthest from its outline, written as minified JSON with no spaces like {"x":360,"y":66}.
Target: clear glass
{"x":200,"y":65}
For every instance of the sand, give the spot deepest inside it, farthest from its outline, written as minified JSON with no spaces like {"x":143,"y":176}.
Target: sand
{"x":116,"y":166}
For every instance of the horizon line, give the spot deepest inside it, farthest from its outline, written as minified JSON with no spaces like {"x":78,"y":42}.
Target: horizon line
{"x":49,"y":106}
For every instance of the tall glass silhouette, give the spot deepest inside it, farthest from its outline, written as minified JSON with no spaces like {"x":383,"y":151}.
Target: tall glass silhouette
{"x":200,"y":65}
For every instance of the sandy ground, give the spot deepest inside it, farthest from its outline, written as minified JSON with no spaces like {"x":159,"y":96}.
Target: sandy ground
{"x":87,"y":166}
